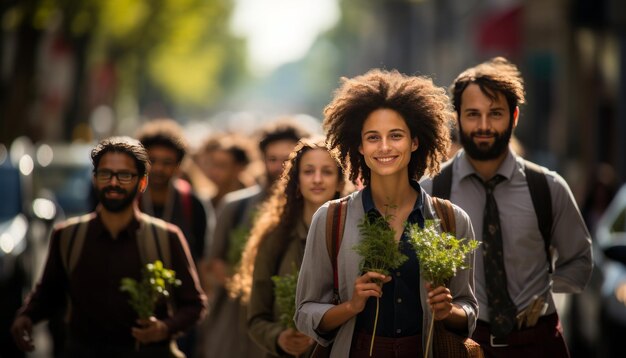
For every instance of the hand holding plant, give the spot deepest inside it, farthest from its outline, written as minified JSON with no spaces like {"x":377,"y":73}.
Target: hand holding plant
{"x":156,"y":281}
{"x":440,"y":255}
{"x":379,"y":251}
{"x":285,"y":295}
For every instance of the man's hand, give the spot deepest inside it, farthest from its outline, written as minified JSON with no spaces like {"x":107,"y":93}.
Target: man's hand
{"x":22,"y":330}
{"x":150,"y":330}
{"x":293,"y":342}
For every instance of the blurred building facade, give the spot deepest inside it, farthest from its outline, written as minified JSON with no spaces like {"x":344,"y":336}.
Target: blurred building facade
{"x":572,"y":54}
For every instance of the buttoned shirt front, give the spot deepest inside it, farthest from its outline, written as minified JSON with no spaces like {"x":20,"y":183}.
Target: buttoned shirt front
{"x":400,"y":311}
{"x":525,"y":259}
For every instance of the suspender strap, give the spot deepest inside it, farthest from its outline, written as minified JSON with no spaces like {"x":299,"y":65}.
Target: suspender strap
{"x":542,"y":202}
{"x":442,"y":183}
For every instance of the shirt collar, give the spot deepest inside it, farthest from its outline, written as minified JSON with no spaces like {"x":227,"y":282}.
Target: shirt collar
{"x":506,"y":169}
{"x":131,"y":229}
{"x":368,"y":201}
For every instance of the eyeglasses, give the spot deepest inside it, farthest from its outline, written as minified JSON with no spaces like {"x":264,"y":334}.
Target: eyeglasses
{"x":105,"y":175}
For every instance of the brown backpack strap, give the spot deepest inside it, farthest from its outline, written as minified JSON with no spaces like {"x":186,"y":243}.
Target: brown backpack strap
{"x":72,"y":239}
{"x":153,"y":240}
{"x":445,"y":212}
{"x":335,"y":223}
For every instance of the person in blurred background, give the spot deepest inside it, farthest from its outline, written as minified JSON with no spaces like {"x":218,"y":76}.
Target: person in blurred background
{"x":227,"y":334}
{"x":276,"y":245}
{"x":224,"y":158}
{"x":89,"y":256}
{"x":514,"y":274}
{"x":171,"y":198}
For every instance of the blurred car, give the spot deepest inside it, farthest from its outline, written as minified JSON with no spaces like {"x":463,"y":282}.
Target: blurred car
{"x":611,"y":238}
{"x":596,"y":320}
{"x":62,"y":174}
{"x":14,"y":267}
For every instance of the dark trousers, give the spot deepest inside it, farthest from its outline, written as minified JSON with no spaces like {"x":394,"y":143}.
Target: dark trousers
{"x":545,"y":339}
{"x":386,"y":347}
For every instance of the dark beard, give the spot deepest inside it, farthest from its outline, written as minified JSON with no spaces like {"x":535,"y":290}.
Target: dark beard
{"x":484,"y":153}
{"x":117,"y":205}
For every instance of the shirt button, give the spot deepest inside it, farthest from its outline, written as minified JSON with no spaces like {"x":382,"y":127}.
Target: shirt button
{"x":398,"y":331}
{"x":399,"y":300}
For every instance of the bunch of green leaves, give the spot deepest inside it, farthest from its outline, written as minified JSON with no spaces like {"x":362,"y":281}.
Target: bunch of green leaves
{"x":285,"y":295}
{"x":378,"y":247}
{"x":156,"y":282}
{"x":236,"y":245}
{"x":440,"y":254}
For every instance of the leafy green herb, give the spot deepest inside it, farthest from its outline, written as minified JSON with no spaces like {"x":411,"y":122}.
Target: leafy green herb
{"x":379,"y":251}
{"x":440,"y":254}
{"x":378,"y":247}
{"x":285,"y":295}
{"x":155,"y":283}
{"x":236,"y":245}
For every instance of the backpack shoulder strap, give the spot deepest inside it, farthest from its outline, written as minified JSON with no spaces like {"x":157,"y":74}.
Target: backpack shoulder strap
{"x":442,"y":182}
{"x":72,"y":239}
{"x":542,"y":203}
{"x":445,"y":212}
{"x":335,"y":223}
{"x":153,"y":240}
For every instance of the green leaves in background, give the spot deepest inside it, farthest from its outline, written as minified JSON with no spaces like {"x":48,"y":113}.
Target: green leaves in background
{"x":236,"y":245}
{"x":440,"y":254}
{"x":156,"y":281}
{"x":285,"y":295}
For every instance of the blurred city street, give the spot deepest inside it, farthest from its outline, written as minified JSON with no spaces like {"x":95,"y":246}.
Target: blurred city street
{"x":75,"y":72}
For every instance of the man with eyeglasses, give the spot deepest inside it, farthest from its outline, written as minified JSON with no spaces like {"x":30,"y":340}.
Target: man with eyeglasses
{"x":101,"y":322}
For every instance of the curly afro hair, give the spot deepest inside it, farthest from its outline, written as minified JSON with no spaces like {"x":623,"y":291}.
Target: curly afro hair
{"x":424,"y":107}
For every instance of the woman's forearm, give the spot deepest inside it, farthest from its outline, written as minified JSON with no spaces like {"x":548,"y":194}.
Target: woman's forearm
{"x":336,"y":316}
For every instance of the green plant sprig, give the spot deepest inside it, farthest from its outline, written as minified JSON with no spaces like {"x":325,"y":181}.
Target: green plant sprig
{"x":379,"y":251}
{"x":156,"y":282}
{"x":285,"y":295}
{"x":440,"y":254}
{"x":378,"y":247}
{"x":238,"y":239}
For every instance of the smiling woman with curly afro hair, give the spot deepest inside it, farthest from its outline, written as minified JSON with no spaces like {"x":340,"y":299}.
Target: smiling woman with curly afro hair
{"x":425,"y":108}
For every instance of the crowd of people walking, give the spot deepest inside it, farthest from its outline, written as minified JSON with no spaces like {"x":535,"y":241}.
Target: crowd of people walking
{"x":384,"y":154}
